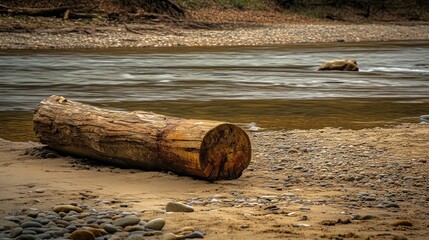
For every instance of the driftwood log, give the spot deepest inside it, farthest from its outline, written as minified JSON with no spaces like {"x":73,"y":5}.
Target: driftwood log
{"x":340,"y":65}
{"x":204,"y":149}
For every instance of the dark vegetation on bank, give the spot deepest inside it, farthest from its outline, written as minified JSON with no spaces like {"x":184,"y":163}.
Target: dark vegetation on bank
{"x":177,"y":10}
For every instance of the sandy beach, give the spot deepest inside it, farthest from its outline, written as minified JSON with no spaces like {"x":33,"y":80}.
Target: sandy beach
{"x":301,"y":184}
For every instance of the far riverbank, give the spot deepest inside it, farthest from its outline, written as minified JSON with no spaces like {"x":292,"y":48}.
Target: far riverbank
{"x":53,"y":33}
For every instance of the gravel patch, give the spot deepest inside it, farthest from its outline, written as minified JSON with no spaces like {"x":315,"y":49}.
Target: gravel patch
{"x":65,"y":37}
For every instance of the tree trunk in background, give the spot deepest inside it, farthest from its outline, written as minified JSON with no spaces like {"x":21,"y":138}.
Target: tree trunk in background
{"x":204,"y":149}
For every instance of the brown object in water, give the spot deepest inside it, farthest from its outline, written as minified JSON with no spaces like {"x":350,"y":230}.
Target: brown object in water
{"x":204,"y":149}
{"x":340,"y":65}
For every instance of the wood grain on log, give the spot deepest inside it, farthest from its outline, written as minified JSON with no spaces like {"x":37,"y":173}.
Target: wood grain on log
{"x":204,"y":149}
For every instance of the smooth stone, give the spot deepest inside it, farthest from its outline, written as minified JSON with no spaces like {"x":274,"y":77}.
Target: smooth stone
{"x":169,"y":236}
{"x":98,"y":232}
{"x":13,"y":219}
{"x":72,"y":212}
{"x":185,"y":230}
{"x":121,"y":234}
{"x":71,"y":228}
{"x":38,"y":230}
{"x":42,"y":221}
{"x":91,"y":220}
{"x":33,"y":213}
{"x":126,"y":221}
{"x":116,"y":238}
{"x":82,"y":235}
{"x":136,"y":237}
{"x":103,"y":221}
{"x":133,"y":228}
{"x":301,"y":225}
{"x":69,"y":218}
{"x":156,"y":224}
{"x":407,"y":223}
{"x":109,"y":228}
{"x":424,"y":118}
{"x":178,"y":207}
{"x":254,"y":129}
{"x":44,"y":236}
{"x":8,"y":224}
{"x":61,"y":223}
{"x":15,"y":232}
{"x":31,"y":224}
{"x":94,"y":225}
{"x":26,"y":237}
{"x":53,"y":215}
{"x":196,"y":234}
{"x":303,"y":208}
{"x":57,"y":233}
{"x":66,"y":208}
{"x":28,"y":232}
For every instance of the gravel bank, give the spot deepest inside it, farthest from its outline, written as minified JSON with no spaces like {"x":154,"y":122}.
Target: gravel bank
{"x":65,"y":37}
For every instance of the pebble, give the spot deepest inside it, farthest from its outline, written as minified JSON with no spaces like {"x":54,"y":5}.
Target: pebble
{"x":169,"y":236}
{"x":133,"y":228}
{"x":196,"y":234}
{"x":114,"y":224}
{"x":304,"y":208}
{"x":66,"y":208}
{"x":109,"y":228}
{"x":407,"y":223}
{"x":301,"y":225}
{"x":254,"y":129}
{"x":136,"y":237}
{"x":27,"y":237}
{"x":126,"y":221}
{"x":8,"y":224}
{"x":82,"y":235}
{"x":155,"y":224}
{"x":185,"y":230}
{"x":98,"y":232}
{"x":16,"y":232}
{"x":178,"y":207}
{"x":31,"y":224}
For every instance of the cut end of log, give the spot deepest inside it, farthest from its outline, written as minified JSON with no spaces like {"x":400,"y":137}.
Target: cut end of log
{"x":225,"y":152}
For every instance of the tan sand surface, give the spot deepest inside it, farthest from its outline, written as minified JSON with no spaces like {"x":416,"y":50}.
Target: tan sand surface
{"x":298,"y":185}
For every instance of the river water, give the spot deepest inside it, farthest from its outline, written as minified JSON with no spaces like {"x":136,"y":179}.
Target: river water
{"x":275,"y":87}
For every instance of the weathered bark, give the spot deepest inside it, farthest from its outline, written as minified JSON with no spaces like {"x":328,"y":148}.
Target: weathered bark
{"x":340,"y":65}
{"x":204,"y":149}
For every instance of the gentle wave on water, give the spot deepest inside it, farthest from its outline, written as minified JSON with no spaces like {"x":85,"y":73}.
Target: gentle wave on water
{"x":397,"y":69}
